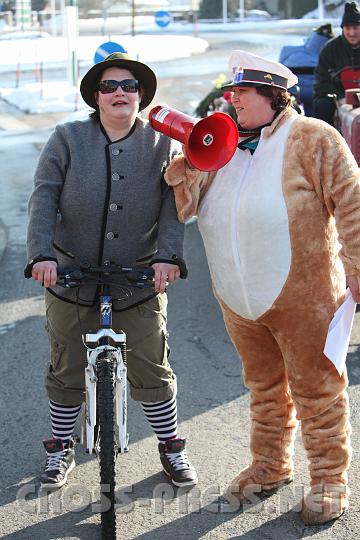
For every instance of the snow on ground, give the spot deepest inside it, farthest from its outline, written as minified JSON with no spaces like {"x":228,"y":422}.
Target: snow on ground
{"x":25,"y":55}
{"x":33,"y":98}
{"x":55,"y":96}
{"x":53,"y":51}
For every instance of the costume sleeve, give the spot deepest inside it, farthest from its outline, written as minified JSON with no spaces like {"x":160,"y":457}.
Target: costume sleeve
{"x":44,"y":201}
{"x":188,"y":185}
{"x":340,"y":179}
{"x":170,"y":230}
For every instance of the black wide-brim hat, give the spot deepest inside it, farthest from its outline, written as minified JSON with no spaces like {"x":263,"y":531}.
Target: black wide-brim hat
{"x":142,"y":73}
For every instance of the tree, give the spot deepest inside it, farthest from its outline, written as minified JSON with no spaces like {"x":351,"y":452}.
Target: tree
{"x":87,"y":5}
{"x":7,"y":5}
{"x":10,"y":5}
{"x":293,"y":9}
{"x":210,"y":9}
{"x":213,"y":9}
{"x":100,"y":5}
{"x":38,"y":5}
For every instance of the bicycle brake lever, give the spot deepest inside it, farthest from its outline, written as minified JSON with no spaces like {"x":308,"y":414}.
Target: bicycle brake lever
{"x":70,"y":278}
{"x":140,"y":277}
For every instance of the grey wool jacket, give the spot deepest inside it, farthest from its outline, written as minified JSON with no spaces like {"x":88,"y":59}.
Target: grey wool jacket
{"x":96,"y":201}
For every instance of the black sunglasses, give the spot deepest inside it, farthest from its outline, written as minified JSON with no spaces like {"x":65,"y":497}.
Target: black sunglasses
{"x":128,"y":85}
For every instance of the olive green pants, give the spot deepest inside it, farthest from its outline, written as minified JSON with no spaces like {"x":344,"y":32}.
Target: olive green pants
{"x":149,"y":373}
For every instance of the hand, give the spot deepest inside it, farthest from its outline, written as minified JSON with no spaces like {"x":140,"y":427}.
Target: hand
{"x":353,"y":284}
{"x":45,"y":272}
{"x":164,"y":274}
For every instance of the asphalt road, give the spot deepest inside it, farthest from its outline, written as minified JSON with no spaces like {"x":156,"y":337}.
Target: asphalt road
{"x":213,"y":403}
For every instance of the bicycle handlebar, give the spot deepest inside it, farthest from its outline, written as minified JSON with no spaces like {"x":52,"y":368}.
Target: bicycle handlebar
{"x":73,"y":277}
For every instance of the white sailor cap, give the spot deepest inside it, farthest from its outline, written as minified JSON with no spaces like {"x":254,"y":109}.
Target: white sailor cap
{"x":251,"y":70}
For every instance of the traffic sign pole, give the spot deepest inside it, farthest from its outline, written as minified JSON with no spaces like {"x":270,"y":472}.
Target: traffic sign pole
{"x":133,"y":17}
{"x":71,"y":15}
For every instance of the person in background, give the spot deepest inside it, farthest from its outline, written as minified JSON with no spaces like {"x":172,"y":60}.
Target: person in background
{"x":302,"y":60}
{"x":100,"y":197}
{"x":271,"y":220}
{"x":336,"y":54}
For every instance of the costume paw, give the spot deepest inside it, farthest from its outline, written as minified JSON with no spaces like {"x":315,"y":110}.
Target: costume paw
{"x":253,"y":483}
{"x":324,"y":503}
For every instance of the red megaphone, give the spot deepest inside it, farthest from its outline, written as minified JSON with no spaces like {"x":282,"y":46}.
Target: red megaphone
{"x":209,"y":143}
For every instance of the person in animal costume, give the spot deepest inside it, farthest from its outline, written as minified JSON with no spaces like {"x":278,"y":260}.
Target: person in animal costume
{"x":272,"y":220}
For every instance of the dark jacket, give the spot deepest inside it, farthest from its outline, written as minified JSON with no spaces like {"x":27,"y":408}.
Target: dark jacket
{"x":336,"y":54}
{"x":95,"y":201}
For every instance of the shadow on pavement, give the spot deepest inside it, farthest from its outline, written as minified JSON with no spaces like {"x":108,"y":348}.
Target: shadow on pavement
{"x":58,"y":527}
{"x":352,"y":363}
{"x":287,"y":526}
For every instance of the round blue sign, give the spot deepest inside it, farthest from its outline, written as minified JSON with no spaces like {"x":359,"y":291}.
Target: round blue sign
{"x":162,"y":18}
{"x":105,"y":49}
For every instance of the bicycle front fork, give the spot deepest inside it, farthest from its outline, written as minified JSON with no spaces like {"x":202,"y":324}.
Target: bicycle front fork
{"x":121,"y":400}
{"x":117,"y":355}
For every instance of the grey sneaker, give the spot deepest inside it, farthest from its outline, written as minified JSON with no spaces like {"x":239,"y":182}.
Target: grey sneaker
{"x":60,"y":462}
{"x":176,"y":464}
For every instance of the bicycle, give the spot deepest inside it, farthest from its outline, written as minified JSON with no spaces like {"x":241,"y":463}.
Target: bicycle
{"x":105,"y":380}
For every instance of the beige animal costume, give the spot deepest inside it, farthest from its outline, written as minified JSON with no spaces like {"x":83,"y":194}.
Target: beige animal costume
{"x":268,"y":226}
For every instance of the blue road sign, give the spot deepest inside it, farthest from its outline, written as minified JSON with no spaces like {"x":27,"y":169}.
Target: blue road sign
{"x":162,"y":18}
{"x":105,"y":49}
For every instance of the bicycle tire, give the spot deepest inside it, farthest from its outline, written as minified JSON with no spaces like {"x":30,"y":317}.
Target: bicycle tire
{"x":106,"y":444}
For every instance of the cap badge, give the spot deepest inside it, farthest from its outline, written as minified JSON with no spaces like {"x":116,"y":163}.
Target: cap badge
{"x":268,"y":76}
{"x":238,"y":74}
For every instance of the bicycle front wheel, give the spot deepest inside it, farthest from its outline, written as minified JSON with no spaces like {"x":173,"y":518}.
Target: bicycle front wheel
{"x":106,"y":444}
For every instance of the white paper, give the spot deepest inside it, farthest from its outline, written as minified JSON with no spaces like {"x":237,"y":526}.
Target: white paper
{"x":338,"y":336}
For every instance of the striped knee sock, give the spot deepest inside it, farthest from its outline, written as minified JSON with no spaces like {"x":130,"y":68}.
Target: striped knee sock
{"x":162,"y":417}
{"x":63,"y":418}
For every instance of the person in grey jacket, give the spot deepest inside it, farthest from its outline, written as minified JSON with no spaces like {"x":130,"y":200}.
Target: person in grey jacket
{"x":336,"y":54}
{"x":100,"y":197}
